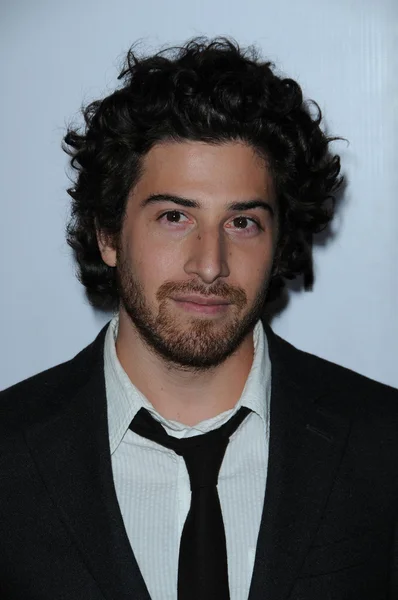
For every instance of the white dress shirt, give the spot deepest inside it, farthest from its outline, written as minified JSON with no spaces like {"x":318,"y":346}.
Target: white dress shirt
{"x":152,"y":482}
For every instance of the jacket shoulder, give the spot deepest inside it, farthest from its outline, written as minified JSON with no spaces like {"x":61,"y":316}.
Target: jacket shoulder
{"x":49,"y":390}
{"x":356,"y":392}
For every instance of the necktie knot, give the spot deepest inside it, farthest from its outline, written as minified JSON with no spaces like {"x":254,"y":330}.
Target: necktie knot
{"x":203,"y":454}
{"x":204,"y":462}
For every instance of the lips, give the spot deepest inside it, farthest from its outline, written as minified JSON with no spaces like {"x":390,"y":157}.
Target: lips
{"x":202,"y":300}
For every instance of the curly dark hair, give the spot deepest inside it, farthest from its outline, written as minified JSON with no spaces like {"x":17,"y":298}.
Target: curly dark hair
{"x":212,"y":91}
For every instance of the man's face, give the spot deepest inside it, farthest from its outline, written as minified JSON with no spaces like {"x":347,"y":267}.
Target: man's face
{"x":196,"y":250}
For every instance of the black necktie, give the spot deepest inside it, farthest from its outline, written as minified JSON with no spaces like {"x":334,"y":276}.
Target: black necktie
{"x":202,"y":565}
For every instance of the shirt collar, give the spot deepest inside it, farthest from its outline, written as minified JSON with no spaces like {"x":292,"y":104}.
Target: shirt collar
{"x":124,"y":400}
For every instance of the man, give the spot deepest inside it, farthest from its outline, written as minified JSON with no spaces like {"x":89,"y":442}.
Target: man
{"x":189,"y":452}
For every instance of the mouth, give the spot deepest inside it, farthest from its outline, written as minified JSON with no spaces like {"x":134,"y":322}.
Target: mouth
{"x":202,"y":304}
{"x":202,"y":300}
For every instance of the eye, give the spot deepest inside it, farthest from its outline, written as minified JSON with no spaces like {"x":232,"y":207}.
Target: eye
{"x":173,"y":216}
{"x":243,"y":223}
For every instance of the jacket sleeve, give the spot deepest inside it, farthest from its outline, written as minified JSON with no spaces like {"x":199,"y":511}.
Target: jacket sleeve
{"x":393,"y":595}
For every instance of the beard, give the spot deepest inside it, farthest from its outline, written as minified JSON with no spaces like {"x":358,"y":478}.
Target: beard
{"x":201,"y":343}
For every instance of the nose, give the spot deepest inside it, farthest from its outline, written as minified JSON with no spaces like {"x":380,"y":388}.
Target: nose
{"x":207,"y":256}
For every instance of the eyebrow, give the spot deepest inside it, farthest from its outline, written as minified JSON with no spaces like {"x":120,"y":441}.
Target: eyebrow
{"x":188,"y":203}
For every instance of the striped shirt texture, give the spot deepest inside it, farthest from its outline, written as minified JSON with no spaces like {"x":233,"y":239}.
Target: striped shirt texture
{"x":152,"y":482}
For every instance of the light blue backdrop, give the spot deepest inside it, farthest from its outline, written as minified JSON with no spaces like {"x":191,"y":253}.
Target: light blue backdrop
{"x":56,"y":55}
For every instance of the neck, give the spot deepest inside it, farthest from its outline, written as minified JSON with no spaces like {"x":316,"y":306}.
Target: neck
{"x":179,"y":394}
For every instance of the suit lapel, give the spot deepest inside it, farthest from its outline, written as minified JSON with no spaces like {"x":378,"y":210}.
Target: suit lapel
{"x":71,"y":450}
{"x":306,"y":447}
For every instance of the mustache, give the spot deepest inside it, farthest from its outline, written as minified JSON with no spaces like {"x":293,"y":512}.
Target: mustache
{"x":234,"y":295}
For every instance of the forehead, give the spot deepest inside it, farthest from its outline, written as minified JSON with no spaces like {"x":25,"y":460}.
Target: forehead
{"x":231,"y":170}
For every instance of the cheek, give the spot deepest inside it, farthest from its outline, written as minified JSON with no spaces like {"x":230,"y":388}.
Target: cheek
{"x":157,"y":263}
{"x":254,"y":282}
{"x":252,"y":269}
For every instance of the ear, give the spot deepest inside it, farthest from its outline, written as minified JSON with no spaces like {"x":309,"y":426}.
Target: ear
{"x":106,"y":248}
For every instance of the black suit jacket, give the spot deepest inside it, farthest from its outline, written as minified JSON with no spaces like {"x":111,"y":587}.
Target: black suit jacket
{"x":330,"y":513}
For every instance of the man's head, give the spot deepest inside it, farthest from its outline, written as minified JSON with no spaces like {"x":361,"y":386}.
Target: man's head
{"x":196,"y":249}
{"x":204,"y":176}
